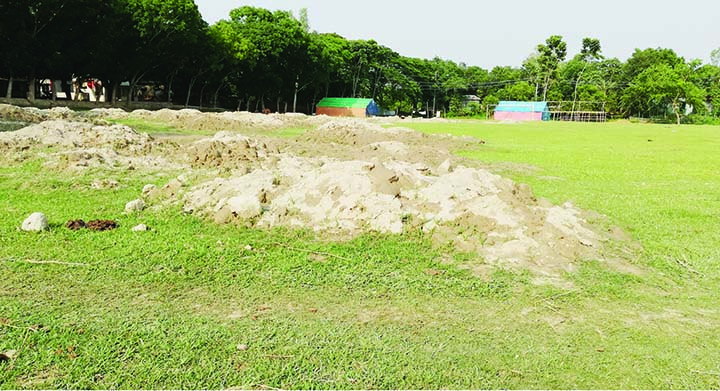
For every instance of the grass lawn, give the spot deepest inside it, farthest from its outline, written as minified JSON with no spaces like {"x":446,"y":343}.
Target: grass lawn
{"x":195,"y":305}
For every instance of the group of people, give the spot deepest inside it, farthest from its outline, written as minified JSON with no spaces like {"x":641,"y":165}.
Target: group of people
{"x":90,"y":88}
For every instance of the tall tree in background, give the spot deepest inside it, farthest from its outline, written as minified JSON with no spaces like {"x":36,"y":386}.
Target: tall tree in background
{"x":589,"y":54}
{"x":272,"y":48}
{"x":161,"y":33}
{"x":644,"y":59}
{"x":550,"y":55}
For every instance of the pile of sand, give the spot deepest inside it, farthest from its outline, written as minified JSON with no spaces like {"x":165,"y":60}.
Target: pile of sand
{"x":35,"y":115}
{"x":192,"y":119}
{"x":229,"y":151}
{"x":344,"y":177}
{"x":472,"y":208}
{"x":82,"y":144}
{"x":348,"y":139}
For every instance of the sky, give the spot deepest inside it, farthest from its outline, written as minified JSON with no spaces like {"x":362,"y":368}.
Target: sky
{"x":506,"y":32}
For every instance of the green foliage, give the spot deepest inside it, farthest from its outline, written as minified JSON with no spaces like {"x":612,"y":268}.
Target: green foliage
{"x":662,"y":88}
{"x":521,"y":91}
{"x":260,"y":59}
{"x":550,"y":55}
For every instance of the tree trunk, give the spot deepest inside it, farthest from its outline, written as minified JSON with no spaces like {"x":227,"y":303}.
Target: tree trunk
{"x":53,"y":91}
{"x":31,"y":89}
{"x":190,"y":87}
{"x":217,"y":92}
{"x":114,"y":92}
{"x":130,"y":94}
{"x":169,"y":96}
{"x":8,"y":95}
{"x":202,"y":92}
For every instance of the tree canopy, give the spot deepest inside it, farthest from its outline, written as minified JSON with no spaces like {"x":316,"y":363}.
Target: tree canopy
{"x":258,"y":59}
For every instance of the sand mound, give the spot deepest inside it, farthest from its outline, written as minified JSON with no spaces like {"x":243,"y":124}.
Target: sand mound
{"x":192,"y":119}
{"x":227,"y":150}
{"x":473,"y":209}
{"x":349,"y":138}
{"x":35,"y":115}
{"x":342,"y":178}
{"x":79,"y":134}
{"x":81,"y":144}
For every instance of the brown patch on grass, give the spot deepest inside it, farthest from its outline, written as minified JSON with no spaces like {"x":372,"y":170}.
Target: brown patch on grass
{"x":42,"y":379}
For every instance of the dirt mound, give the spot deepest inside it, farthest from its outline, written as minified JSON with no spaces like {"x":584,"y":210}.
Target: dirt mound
{"x":35,"y":115}
{"x":79,"y":134}
{"x":470,"y":208}
{"x":191,"y":119}
{"x":344,"y":177}
{"x":82,"y":144}
{"x":228,"y":150}
{"x":349,"y":138}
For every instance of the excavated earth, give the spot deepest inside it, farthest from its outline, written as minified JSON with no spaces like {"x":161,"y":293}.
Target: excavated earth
{"x":341,"y":178}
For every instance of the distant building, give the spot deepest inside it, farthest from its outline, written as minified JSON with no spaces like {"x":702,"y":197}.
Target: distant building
{"x":347,"y":107}
{"x":522,"y":111}
{"x":467,"y":99}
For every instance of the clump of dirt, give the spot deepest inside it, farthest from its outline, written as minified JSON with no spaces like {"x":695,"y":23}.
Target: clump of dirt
{"x":102,"y":225}
{"x":75,"y":225}
{"x":94,"y":225}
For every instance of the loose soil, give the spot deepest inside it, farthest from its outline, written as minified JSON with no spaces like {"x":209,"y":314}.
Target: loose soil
{"x":341,"y":178}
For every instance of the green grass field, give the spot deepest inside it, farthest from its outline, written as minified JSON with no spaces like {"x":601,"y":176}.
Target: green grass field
{"x":195,"y":305}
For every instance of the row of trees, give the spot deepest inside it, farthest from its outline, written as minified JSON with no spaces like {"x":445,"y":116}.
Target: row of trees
{"x":258,"y":59}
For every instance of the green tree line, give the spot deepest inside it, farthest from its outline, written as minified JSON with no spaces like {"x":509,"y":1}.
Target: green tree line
{"x":257,"y":59}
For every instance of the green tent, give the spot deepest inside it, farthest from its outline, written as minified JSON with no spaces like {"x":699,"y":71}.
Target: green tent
{"x":348,"y":106}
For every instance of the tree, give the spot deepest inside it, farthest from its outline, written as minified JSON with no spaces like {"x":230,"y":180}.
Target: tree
{"x":589,"y":54}
{"x":272,"y":50}
{"x":707,"y":77}
{"x":522,"y":91}
{"x":550,"y":55}
{"x":644,"y":59}
{"x":661,"y":88}
{"x":500,"y":77}
{"x":28,"y":27}
{"x":160,"y":34}
{"x":715,"y":57}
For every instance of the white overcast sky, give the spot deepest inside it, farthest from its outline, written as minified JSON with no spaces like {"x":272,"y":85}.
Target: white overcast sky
{"x":505,"y":32}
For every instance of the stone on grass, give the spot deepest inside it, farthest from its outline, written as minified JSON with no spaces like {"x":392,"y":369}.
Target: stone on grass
{"x":35,"y":223}
{"x":140,"y":228}
{"x":135,"y":206}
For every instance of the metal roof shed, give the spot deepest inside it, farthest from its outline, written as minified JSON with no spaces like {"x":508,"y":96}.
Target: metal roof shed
{"x":522,"y":111}
{"x":347,"y":107}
